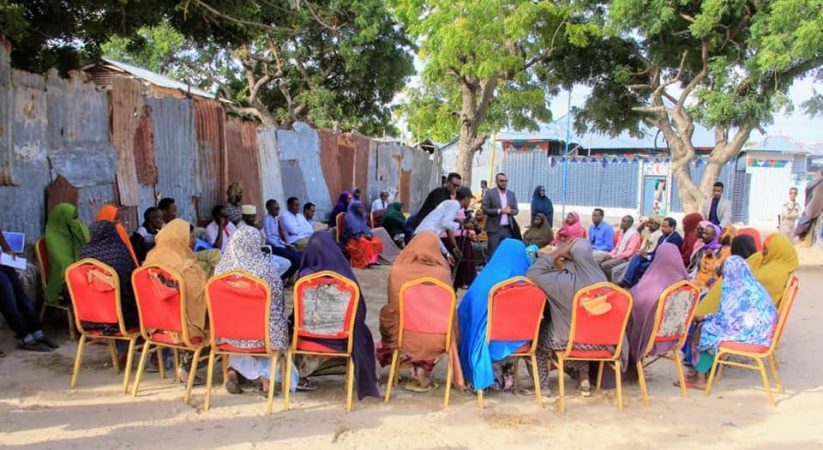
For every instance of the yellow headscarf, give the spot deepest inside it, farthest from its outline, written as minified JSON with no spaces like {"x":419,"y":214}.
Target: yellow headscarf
{"x":779,"y":262}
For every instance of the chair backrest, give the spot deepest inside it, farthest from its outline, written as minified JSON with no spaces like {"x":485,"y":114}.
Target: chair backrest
{"x":789,"y":296}
{"x":239,"y":308}
{"x":600,"y":313}
{"x":325,"y":306}
{"x":161,"y":300}
{"x":42,"y":261}
{"x":339,"y":223}
{"x":427,"y":305}
{"x":515,"y":310}
{"x":791,"y":284}
{"x":94,"y":289}
{"x":675,"y":311}
{"x":371,"y":220}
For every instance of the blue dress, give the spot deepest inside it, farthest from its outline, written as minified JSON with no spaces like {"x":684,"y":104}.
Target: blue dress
{"x":476,"y":357}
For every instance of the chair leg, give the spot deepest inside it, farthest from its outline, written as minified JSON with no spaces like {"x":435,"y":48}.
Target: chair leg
{"x":392,"y":369}
{"x":284,"y":371}
{"x":127,"y":369}
{"x":536,"y":377}
{"x":114,"y":361}
{"x":78,"y":357}
{"x":713,"y":372}
{"x":160,"y":363}
{"x":480,"y":398}
{"x":177,"y":378}
{"x":600,"y":368}
{"x":516,"y":371}
{"x":43,"y":311}
{"x":561,"y":384}
{"x":641,"y":378}
{"x":681,"y":377}
{"x":775,"y":360}
{"x":349,"y":382}
{"x":192,"y":373}
{"x":273,"y":373}
{"x":287,"y":390}
{"x":449,"y":375}
{"x":224,"y":362}
{"x":773,"y":365}
{"x":140,"y":367}
{"x":209,"y":379}
{"x":765,"y":381}
{"x":618,"y":376}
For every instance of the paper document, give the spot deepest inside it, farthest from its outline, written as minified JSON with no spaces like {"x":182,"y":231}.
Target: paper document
{"x":10,"y":261}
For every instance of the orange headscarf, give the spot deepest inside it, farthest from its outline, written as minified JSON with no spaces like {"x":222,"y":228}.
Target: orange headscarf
{"x":109,"y":214}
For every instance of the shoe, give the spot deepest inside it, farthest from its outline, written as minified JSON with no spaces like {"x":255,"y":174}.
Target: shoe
{"x":36,"y":346}
{"x":48,"y":342}
{"x":585,"y":388}
{"x":232,"y":383}
{"x":306,"y":386}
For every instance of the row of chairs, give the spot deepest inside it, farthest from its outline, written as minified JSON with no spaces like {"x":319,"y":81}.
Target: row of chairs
{"x":325,"y":305}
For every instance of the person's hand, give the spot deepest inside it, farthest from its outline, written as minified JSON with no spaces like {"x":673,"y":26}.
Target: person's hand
{"x":450,"y":259}
{"x":564,"y":251}
{"x":505,"y":210}
{"x":698,"y":319}
{"x":222,"y":222}
{"x":458,"y":254}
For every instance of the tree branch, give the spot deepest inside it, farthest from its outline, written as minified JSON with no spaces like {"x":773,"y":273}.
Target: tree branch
{"x":704,"y":71}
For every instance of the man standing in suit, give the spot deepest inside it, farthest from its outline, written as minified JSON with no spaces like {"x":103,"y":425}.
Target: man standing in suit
{"x":718,"y":210}
{"x":500,"y":208}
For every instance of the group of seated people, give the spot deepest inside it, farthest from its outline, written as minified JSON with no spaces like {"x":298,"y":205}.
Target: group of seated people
{"x":740,"y":278}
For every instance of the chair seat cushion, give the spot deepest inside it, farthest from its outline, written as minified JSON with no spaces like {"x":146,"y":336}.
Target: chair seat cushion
{"x":99,"y":333}
{"x":743,"y":347}
{"x":311,"y":346}
{"x":232,"y":348}
{"x":599,"y":354}
{"x":164,"y":338}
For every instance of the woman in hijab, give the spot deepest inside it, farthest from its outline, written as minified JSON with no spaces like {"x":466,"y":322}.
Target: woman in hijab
{"x":542,"y":205}
{"x":421,"y":258}
{"x":173,"y":250}
{"x":107,"y":246}
{"x":703,"y":269}
{"x":747,"y":315}
{"x":666,"y":269}
{"x":65,"y":237}
{"x":754,"y":234}
{"x":111,"y":213}
{"x":540,"y":233}
{"x":579,"y":270}
{"x":690,"y":236}
{"x":358,"y":240}
{"x":322,"y":253}
{"x":243,"y":253}
{"x":393,"y":220}
{"x":778,"y":264}
{"x":476,"y":356}
{"x":743,"y":246}
{"x":341,"y":206}
{"x":571,"y":229}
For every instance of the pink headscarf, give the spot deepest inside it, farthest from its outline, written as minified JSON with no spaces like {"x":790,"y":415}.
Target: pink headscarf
{"x":568,"y":232}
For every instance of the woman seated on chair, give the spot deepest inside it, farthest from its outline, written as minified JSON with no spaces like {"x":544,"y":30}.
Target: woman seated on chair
{"x":560,"y":274}
{"x":173,"y":249}
{"x":744,"y":247}
{"x":571,"y":229}
{"x":746,"y":315}
{"x":111,"y":213}
{"x":703,"y":269}
{"x":321,"y":254}
{"x":778,"y":264}
{"x":243,"y":253}
{"x":358,"y":241}
{"x":393,"y":220}
{"x":65,"y":237}
{"x":341,"y":206}
{"x":476,"y":355}
{"x":539,"y":233}
{"x":421,"y":258}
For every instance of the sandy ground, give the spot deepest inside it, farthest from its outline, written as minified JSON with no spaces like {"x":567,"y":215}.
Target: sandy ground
{"x":37,"y":410}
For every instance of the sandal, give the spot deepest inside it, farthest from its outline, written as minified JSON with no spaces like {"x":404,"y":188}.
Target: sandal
{"x":306,"y":385}
{"x":414,"y":386}
{"x":232,"y":383}
{"x":585,"y":388}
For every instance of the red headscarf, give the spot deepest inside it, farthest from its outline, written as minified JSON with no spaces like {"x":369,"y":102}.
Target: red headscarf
{"x":690,"y":223}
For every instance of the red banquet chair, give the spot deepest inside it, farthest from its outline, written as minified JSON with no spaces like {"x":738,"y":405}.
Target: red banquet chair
{"x":427,"y":305}
{"x":43,"y":266}
{"x":240,"y":308}
{"x":161,"y":301}
{"x":675,"y":311}
{"x":94,"y":289}
{"x":325,"y":306}
{"x":515,"y":312}
{"x":758,"y":352}
{"x":339,"y":223}
{"x":600,"y":313}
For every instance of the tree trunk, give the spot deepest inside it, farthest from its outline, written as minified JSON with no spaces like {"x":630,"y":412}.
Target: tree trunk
{"x":467,"y":147}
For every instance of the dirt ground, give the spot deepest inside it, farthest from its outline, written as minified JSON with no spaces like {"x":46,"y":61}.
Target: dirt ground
{"x":37,"y":410}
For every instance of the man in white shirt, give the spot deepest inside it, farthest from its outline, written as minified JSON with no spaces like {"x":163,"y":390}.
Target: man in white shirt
{"x":274,"y":238}
{"x":220,"y":229}
{"x":296,"y":229}
{"x":444,"y":219}
{"x":380,"y":203}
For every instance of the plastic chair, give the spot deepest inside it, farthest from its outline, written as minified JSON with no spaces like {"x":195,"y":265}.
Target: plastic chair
{"x":675,"y":311}
{"x":427,"y":305}
{"x":758,"y":353}
{"x":240,"y":308}
{"x":161,"y":302}
{"x":316,"y":296}
{"x":515,"y":312}
{"x":600,"y":313}
{"x":94,"y":289}
{"x":339,"y":223}
{"x":43,"y":265}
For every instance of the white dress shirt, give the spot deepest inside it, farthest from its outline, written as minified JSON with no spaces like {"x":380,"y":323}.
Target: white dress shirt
{"x":379,"y":204}
{"x":441,"y":219}
{"x":295,"y":226}
{"x":213,"y":229}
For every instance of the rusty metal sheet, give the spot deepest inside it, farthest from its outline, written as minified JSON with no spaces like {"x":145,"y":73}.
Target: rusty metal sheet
{"x":28,"y":200}
{"x":126,"y":104}
{"x":175,"y":152}
{"x":242,"y":160}
{"x":303,"y":144}
{"x":6,"y":101}
{"x":359,"y":146}
{"x":91,"y":199}
{"x":144,"y":149}
{"x":329,"y":160}
{"x":209,"y":123}
{"x":269,"y":154}
{"x":420,"y":166}
{"x":384,"y":169}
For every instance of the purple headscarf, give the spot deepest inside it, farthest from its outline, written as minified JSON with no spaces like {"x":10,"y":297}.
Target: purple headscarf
{"x":356,"y":224}
{"x":714,"y":245}
{"x":341,"y":206}
{"x":322,"y":253}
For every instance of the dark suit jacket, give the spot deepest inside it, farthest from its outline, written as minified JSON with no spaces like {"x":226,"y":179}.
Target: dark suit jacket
{"x":435,"y":198}
{"x":491,"y":203}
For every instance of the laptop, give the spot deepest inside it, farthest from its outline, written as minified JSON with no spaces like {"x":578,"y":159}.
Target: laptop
{"x":15,"y":240}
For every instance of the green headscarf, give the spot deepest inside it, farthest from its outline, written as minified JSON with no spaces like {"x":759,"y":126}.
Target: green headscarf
{"x":65,"y":237}
{"x":393,"y":220}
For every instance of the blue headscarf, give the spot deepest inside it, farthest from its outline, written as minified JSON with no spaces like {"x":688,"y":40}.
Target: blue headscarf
{"x":356,"y":224}
{"x":476,"y":357}
{"x":542,"y":205}
{"x":340,"y":206}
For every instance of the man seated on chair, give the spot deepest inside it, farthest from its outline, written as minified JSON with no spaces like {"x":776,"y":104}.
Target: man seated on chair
{"x":628,"y":243}
{"x":274,"y":237}
{"x":601,"y":235}
{"x":296,"y":227}
{"x":640,"y":262}
{"x":220,"y":229}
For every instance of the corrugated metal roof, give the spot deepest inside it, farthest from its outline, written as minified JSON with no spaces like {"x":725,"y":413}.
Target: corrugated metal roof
{"x":777,"y":143}
{"x":157,"y":79}
{"x":6,"y":153}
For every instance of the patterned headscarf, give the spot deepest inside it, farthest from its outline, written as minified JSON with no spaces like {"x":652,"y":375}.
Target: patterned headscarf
{"x":715,"y":243}
{"x":234,"y":191}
